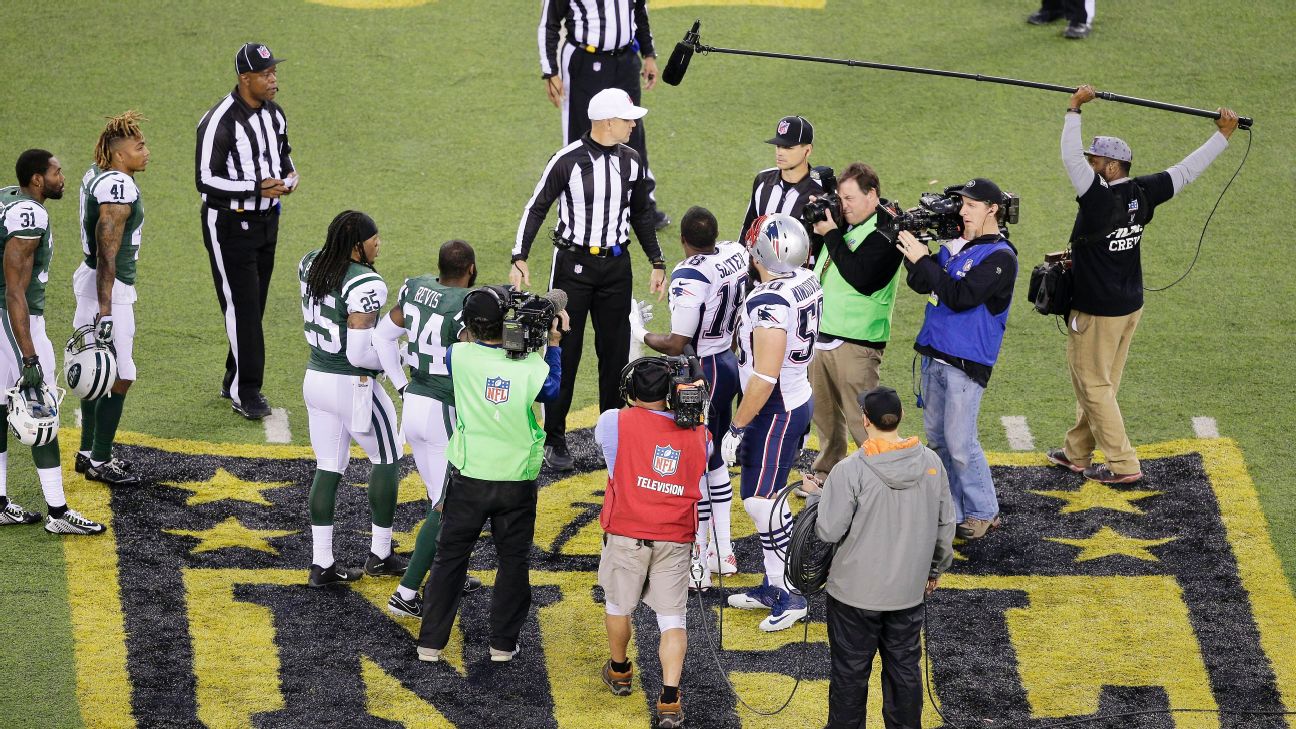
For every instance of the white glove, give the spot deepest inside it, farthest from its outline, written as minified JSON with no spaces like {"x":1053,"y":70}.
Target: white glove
{"x":638,"y":317}
{"x":729,"y":444}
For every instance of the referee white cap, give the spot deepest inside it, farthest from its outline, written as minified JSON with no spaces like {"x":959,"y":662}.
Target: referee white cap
{"x":614,"y":104}
{"x":1111,"y":148}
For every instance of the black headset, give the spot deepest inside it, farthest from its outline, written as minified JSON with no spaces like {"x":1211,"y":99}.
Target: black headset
{"x":628,"y":392}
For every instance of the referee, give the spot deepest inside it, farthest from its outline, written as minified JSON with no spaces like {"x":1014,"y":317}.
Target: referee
{"x":602,"y":189}
{"x":242,"y":169}
{"x":603,"y":43}
{"x":787,"y":186}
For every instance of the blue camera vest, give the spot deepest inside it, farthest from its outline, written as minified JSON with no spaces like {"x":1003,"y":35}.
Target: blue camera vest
{"x":975,"y":334}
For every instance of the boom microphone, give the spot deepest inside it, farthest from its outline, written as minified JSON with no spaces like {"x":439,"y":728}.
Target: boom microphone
{"x":680,"y":57}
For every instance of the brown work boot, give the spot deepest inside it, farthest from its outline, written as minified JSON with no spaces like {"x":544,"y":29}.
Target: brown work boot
{"x":670,"y":716}
{"x":618,"y":682}
{"x":973,"y":528}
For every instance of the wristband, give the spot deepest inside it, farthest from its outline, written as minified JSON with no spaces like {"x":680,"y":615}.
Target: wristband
{"x":659,"y":264}
{"x":737,"y":430}
{"x":1073,"y":110}
{"x":31,"y":361}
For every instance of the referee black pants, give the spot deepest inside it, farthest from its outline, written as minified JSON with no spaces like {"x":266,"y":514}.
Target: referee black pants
{"x":1073,"y":11}
{"x":589,"y":73}
{"x":600,"y":289}
{"x":855,"y":636}
{"x":469,"y":502}
{"x":241,"y":251}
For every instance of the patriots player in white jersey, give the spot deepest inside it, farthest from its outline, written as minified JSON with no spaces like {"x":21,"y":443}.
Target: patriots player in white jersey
{"x":706,"y":292}
{"x":778,"y":324}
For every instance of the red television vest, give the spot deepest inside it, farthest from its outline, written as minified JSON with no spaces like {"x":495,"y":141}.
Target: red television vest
{"x":652,"y":492}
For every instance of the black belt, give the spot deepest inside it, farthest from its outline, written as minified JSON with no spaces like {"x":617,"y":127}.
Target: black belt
{"x":596,"y":251}
{"x":594,"y":51}
{"x":246,"y":212}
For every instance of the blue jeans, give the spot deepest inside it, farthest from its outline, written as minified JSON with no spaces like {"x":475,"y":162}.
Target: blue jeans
{"x":952,"y":402}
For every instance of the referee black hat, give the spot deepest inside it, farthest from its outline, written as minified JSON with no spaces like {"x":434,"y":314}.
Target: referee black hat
{"x":791,"y":131}
{"x":253,"y":57}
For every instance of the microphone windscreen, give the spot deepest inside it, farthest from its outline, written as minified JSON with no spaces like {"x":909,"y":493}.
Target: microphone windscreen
{"x":558,"y":297}
{"x":678,"y":63}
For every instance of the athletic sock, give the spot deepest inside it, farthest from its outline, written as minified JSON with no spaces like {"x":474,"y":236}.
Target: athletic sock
{"x":323,"y":496}
{"x":721,"y":503}
{"x":322,"y":545}
{"x":57,"y":512}
{"x":772,"y":529}
{"x":620,"y":667}
{"x":87,"y":425}
{"x":703,"y":518}
{"x":108,"y":412}
{"x":406,"y":593}
{"x":380,"y":541}
{"x":669,"y":694}
{"x":4,"y":476}
{"x":51,"y":481}
{"x":383,"y":481}
{"x":425,"y":547}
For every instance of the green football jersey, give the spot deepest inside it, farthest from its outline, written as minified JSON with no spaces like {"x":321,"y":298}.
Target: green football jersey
{"x":362,"y":291}
{"x":433,"y":321}
{"x":23,"y":217}
{"x":111,"y":188}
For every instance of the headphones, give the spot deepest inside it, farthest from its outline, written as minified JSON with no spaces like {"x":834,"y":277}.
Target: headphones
{"x":628,"y":391}
{"x":499,"y":293}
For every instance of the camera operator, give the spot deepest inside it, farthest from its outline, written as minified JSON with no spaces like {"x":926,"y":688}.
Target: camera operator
{"x":889,"y":506}
{"x":496,"y":451}
{"x":1107,"y":299}
{"x":970,"y":283}
{"x":859,"y":275}
{"x":787,"y":186}
{"x":656,"y":471}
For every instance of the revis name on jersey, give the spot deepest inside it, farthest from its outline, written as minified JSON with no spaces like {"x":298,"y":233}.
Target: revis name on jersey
{"x":794,"y":304}
{"x":705,"y":295}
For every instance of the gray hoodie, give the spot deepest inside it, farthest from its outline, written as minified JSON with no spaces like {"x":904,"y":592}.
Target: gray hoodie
{"x":894,"y":511}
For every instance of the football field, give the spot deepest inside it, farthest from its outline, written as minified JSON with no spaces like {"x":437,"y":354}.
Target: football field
{"x":431,"y":117}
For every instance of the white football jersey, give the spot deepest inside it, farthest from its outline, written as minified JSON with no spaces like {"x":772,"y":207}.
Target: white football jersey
{"x":705,"y":294}
{"x":794,"y":304}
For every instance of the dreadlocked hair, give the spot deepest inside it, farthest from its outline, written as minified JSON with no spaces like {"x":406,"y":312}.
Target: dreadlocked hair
{"x":122,"y":126}
{"x":330,"y":266}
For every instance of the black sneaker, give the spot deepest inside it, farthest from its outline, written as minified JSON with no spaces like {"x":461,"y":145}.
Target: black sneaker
{"x":15,"y":514}
{"x":1042,"y":17}
{"x":225,"y":393}
{"x":322,"y":576}
{"x":112,"y":473}
{"x":390,"y":566}
{"x":81,"y":463}
{"x":411,"y":608}
{"x":472,"y":584}
{"x":557,"y":458}
{"x":255,"y":409}
{"x":1077,"y":31}
{"x":660,"y":220}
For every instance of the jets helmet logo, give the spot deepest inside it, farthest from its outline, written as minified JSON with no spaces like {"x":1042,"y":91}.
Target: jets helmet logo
{"x":497,"y":390}
{"x":666,"y":460}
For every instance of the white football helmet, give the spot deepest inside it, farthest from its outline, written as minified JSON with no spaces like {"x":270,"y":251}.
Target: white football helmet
{"x":89,"y":368}
{"x":34,"y":413}
{"x":779,"y":243}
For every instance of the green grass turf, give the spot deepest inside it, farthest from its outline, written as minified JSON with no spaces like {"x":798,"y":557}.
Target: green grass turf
{"x":433,"y":120}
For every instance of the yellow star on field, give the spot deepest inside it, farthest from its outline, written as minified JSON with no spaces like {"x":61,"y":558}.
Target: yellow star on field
{"x":404,"y":541}
{"x":1095,"y":495}
{"x":224,"y":485}
{"x":1108,"y":542}
{"x":409,"y":490}
{"x":231,"y":533}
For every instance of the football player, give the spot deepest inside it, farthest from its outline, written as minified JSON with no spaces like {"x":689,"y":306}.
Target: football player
{"x":778,"y":324}
{"x":26,"y":246}
{"x":112,"y":217}
{"x":341,"y":295}
{"x":429,"y":314}
{"x":706,"y":291}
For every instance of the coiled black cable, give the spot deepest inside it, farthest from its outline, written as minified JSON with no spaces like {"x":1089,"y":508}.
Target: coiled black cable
{"x":808,"y":557}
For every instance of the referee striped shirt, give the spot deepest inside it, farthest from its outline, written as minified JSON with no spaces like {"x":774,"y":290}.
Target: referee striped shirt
{"x":772,"y":194}
{"x":238,"y":147}
{"x":601,"y":193}
{"x":607,"y":25}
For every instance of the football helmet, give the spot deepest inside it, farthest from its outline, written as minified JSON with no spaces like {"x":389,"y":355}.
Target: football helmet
{"x":779,"y":243}
{"x":34,"y":413}
{"x":89,"y":366}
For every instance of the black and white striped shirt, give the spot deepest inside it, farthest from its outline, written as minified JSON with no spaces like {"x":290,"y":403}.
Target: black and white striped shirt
{"x":607,"y":25}
{"x":238,"y":147}
{"x":601,"y":193}
{"x":772,"y":194}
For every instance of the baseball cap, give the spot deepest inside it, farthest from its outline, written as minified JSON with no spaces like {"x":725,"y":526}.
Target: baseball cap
{"x":983,"y":190}
{"x":881,"y":406}
{"x":254,"y":57}
{"x":1112,"y":148}
{"x":485,"y":304}
{"x":791,"y":131}
{"x":614,"y":104}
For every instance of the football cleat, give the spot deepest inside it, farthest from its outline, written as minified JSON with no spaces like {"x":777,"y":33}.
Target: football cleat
{"x":89,"y":365}
{"x":112,"y":473}
{"x":323,"y":576}
{"x":761,"y":597}
{"x":727,"y":566}
{"x":72,"y":523}
{"x":15,"y":514}
{"x":255,"y":408}
{"x":472,"y":584}
{"x":411,"y":608}
{"x":788,"y":609}
{"x":82,"y":463}
{"x":390,"y":566}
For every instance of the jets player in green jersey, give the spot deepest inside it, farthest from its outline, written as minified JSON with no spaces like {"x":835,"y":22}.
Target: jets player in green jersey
{"x":112,"y":217}
{"x":429,"y":314}
{"x":341,"y":295}
{"x":26,"y":356}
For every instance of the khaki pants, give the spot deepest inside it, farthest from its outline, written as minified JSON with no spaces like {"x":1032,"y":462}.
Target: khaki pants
{"x":838,"y":377}
{"x":1096,"y":350}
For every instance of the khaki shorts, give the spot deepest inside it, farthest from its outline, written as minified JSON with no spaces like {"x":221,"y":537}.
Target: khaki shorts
{"x":658,"y":575}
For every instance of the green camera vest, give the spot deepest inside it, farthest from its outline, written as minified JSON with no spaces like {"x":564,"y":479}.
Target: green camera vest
{"x":496,"y":436}
{"x":848,"y":313}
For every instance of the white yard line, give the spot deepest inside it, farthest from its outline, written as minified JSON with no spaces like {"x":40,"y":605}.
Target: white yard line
{"x":1205,"y":427}
{"x":1019,"y":434}
{"x":276,"y":426}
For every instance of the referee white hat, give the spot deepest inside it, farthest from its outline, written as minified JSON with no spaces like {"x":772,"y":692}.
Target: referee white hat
{"x":614,"y":104}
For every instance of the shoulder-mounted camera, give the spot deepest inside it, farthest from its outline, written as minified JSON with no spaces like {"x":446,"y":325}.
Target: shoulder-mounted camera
{"x":936,"y":216}
{"x":688,"y":395}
